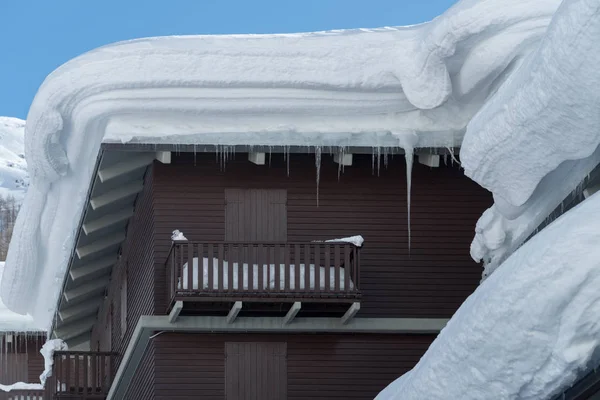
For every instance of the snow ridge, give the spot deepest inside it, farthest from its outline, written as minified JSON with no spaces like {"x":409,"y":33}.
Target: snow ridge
{"x":538,"y":137}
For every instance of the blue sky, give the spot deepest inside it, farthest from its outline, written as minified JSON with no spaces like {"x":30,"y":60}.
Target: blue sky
{"x":37,"y":36}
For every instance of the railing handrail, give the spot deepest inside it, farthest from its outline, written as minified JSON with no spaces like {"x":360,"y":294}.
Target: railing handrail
{"x":84,"y":353}
{"x":264,"y":243}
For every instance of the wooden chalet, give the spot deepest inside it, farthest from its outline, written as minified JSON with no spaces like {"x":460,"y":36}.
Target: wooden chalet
{"x":260,"y":301}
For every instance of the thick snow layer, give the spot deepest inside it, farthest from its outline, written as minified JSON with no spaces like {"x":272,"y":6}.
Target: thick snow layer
{"x":357,"y":240}
{"x":529,"y":330}
{"x":308,"y":277}
{"x":538,"y":137}
{"x":12,"y":322}
{"x":13,"y":168}
{"x":409,"y":87}
{"x":21,"y":386}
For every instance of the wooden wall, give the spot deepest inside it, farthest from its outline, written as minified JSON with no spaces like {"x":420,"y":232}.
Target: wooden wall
{"x":431,"y":279}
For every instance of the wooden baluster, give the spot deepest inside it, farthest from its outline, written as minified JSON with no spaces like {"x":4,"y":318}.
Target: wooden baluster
{"x":336,"y":270}
{"x":67,"y":378}
{"x":220,"y":267}
{"x":94,"y":362}
{"x":327,"y":268}
{"x":200,"y":267}
{"x":287,"y":269}
{"x":190,"y":268}
{"x":268,"y":261}
{"x":86,"y":385}
{"x":210,"y":256}
{"x":307,"y":284}
{"x":231,"y":269}
{"x":251,"y":261}
{"x":297,"y":254}
{"x":260,"y":260}
{"x":347,"y":267}
{"x":278,"y":261}
{"x":76,"y":380}
{"x":103,"y":379}
{"x":317,"y":283}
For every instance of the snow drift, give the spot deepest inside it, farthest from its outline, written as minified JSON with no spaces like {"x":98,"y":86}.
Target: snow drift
{"x":411,"y":87}
{"x":489,"y":350}
{"x":13,"y":168}
{"x":538,"y":137}
{"x":12,"y":322}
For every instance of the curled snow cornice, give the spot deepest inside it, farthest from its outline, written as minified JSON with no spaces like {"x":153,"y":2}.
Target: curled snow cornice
{"x":353,"y":87}
{"x":537,"y":139}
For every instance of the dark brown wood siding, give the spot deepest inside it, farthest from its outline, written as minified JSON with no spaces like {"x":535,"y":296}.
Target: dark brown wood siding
{"x":351,"y":366}
{"x":142,"y":383}
{"x":431,"y":279}
{"x":137,"y":265}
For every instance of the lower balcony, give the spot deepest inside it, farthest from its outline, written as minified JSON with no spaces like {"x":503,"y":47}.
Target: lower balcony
{"x":265,"y":276}
{"x":81,"y":375}
{"x":22,"y":395}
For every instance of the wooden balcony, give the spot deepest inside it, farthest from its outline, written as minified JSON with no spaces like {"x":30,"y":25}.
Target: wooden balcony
{"x":81,"y":375}
{"x":310,"y":272}
{"x":22,"y":395}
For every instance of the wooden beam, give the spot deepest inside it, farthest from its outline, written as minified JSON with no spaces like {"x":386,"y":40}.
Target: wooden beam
{"x":431,"y":160}
{"x":291,"y":314}
{"x":233,"y":313}
{"x":101,"y":244}
{"x":175,"y":311}
{"x":80,"y":310}
{"x":107,"y":220}
{"x":93,"y":269}
{"x":76,"y":328}
{"x":590,"y":190}
{"x":117,"y":194}
{"x":344,"y":159}
{"x":131,"y":164}
{"x":257,"y":158}
{"x":354,"y":308}
{"x":163,"y":157}
{"x":95,"y":287}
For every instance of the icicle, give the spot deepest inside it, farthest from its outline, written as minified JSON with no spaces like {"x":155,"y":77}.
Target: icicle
{"x":341,"y":155}
{"x":318,"y":165}
{"x":287,"y":156}
{"x":373,"y":161}
{"x":378,"y":160}
{"x":270,"y":153}
{"x":408,"y":141}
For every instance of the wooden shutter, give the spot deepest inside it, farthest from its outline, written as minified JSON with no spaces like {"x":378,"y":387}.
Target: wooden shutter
{"x":255,"y":371}
{"x":255,"y":215}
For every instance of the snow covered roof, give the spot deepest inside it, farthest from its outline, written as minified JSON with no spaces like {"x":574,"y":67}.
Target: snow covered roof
{"x":12,"y":322}
{"x":13,"y":168}
{"x":405,"y":87}
{"x":537,"y":139}
{"x":529,"y":330}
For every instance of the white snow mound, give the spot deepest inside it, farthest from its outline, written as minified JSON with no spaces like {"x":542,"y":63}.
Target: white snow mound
{"x":528,"y":330}
{"x":13,"y":168}
{"x":411,"y":87}
{"x":538,"y":137}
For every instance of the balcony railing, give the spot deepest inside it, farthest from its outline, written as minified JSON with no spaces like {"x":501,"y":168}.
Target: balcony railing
{"x":311,"y":271}
{"x":22,"y":395}
{"x":81,"y":375}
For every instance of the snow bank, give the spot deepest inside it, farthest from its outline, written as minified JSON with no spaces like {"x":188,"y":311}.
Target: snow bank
{"x":538,"y":137}
{"x":13,"y":168}
{"x":12,"y":322}
{"x":410,"y":87}
{"x":529,"y":330}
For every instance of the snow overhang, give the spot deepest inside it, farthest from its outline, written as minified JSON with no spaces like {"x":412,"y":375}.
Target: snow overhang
{"x":406,"y":87}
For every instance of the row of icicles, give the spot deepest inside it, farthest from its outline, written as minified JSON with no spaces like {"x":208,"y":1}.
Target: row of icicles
{"x":224,"y":153}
